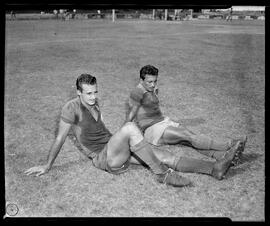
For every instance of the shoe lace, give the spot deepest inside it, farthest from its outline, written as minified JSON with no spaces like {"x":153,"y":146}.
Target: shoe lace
{"x":168,"y":171}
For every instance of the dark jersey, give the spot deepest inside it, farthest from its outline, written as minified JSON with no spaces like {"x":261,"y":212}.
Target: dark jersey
{"x":90,"y":133}
{"x":149,"y":111}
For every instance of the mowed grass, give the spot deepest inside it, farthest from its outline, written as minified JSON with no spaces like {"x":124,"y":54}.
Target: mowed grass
{"x":211,"y":79}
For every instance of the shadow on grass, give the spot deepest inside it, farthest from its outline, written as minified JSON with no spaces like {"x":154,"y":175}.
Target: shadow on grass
{"x":250,"y":157}
{"x":246,"y":160}
{"x":64,"y":167}
{"x":191,"y":121}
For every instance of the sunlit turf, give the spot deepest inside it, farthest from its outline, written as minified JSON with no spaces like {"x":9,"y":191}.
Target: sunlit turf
{"x":211,"y":79}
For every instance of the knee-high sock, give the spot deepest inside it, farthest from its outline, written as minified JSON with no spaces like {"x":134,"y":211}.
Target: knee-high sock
{"x":191,"y":165}
{"x":144,"y":151}
{"x":207,"y":143}
{"x":213,"y":154}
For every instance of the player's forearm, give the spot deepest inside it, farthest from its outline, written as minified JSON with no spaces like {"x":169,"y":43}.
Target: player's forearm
{"x":55,"y":149}
{"x":131,"y":115}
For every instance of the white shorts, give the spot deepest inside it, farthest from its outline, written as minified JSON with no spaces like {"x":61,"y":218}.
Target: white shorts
{"x":153,"y":133}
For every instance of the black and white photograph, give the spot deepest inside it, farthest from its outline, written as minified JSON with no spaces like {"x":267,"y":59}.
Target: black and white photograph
{"x":154,"y":111}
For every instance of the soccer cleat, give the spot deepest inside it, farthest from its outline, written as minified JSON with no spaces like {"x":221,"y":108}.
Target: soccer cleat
{"x":222,"y":166}
{"x":239,"y":153}
{"x":170,"y":177}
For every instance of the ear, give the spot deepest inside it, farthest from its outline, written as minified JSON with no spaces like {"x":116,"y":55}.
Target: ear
{"x":79,"y":92}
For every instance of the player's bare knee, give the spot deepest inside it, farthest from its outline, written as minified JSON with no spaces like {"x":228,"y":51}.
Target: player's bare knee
{"x":130,"y":128}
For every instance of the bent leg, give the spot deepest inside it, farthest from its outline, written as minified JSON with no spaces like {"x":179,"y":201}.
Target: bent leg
{"x":177,"y":135}
{"x":184,"y":164}
{"x":119,"y":145}
{"x":205,"y":145}
{"x":130,"y":139}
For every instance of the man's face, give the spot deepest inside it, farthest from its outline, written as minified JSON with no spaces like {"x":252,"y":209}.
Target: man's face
{"x":150,"y":82}
{"x":89,"y":94}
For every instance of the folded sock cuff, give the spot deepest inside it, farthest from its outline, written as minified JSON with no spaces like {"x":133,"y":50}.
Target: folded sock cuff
{"x":139,"y":146}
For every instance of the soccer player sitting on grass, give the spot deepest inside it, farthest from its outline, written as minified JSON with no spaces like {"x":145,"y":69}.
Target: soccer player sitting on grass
{"x":114,"y":153}
{"x":142,"y":107}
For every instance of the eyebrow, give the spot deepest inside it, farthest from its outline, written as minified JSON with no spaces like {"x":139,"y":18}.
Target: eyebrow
{"x":91,"y":92}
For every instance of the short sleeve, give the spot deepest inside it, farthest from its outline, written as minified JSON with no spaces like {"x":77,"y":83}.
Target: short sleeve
{"x":136,"y":96}
{"x":68,"y":113}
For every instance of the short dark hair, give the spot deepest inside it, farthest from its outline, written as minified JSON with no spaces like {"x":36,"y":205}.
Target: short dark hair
{"x":85,"y":79}
{"x":148,"y":70}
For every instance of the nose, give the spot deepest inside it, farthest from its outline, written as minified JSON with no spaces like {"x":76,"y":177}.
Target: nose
{"x":93,"y":96}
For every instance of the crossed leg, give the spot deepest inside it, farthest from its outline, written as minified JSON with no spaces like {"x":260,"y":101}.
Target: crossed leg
{"x":203,"y":144}
{"x":128,"y":136}
{"x":123,"y":142}
{"x":129,"y":139}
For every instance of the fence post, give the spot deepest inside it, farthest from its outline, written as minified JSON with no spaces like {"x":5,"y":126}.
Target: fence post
{"x":175,"y":14}
{"x":113,"y":15}
{"x":153,"y":15}
{"x":166,"y":14}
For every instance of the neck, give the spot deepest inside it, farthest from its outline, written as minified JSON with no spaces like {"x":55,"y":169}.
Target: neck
{"x":85,"y":104}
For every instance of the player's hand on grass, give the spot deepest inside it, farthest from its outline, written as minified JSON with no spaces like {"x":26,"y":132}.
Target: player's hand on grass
{"x":39,"y":170}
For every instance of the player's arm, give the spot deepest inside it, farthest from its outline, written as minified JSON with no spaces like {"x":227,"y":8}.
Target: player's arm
{"x":132,"y":113}
{"x":134,"y":103}
{"x":54,"y":151}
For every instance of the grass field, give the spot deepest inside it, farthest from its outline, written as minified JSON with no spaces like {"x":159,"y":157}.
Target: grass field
{"x":212,"y":79}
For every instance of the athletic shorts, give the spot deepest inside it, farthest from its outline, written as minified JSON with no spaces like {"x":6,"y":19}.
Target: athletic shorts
{"x":100,"y":162}
{"x":153,"y":133}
